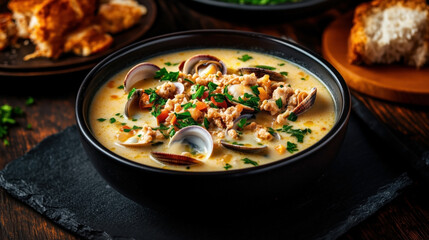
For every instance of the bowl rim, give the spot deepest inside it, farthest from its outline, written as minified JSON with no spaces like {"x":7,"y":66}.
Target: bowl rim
{"x":262,"y":8}
{"x":342,"y":119}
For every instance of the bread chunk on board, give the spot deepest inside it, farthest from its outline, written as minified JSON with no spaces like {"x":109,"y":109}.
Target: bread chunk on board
{"x":388,"y":31}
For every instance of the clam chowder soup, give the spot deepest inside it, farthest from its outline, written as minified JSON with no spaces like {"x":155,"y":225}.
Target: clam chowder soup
{"x":211,"y":110}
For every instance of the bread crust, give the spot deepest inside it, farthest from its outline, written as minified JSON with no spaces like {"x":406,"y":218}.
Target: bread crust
{"x":357,"y":39}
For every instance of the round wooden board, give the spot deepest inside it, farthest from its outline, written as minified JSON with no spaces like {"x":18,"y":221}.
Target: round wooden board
{"x":394,"y":82}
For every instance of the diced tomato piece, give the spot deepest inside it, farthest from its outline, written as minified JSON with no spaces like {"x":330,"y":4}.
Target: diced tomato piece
{"x":222,"y":104}
{"x":202,"y":106}
{"x":162,"y":116}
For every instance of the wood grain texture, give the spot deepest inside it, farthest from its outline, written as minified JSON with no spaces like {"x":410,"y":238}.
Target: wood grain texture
{"x":405,"y":218}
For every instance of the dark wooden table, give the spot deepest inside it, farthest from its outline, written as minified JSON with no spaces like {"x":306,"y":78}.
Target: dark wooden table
{"x":406,"y":217}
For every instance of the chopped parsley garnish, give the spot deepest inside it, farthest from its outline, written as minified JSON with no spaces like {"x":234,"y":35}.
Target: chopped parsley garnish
{"x":280,"y":64}
{"x":279,"y":103}
{"x":291,"y":147}
{"x":157,"y":101}
{"x":302,"y":78}
{"x":127,"y":129}
{"x":164,"y":75}
{"x":171,"y":64}
{"x":245,"y":58}
{"x":188,"y":80}
{"x":212,"y":86}
{"x":271,"y":131}
{"x":29,"y":101}
{"x":292,"y":117}
{"x":183,"y":115}
{"x":298,"y":133}
{"x":206,"y":123}
{"x":134,"y":120}
{"x":136,"y":127}
{"x":227,"y":166}
{"x":242,"y":123}
{"x":199,"y":93}
{"x":249,"y":100}
{"x":284,"y":73}
{"x":237,"y":143}
{"x":131,"y":93}
{"x":112,"y":120}
{"x":249,"y":161}
{"x":255,"y":90}
{"x":188,"y":105}
{"x":117,"y":114}
{"x":266,"y":67}
{"x":101,"y":119}
{"x":121,"y":87}
{"x":184,"y":119}
{"x":172,"y":132}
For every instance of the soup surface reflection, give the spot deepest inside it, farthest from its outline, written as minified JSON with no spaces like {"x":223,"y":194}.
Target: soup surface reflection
{"x":211,"y":110}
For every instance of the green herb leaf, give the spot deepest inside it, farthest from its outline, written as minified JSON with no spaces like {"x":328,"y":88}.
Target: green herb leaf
{"x":206,"y":123}
{"x":171,"y":64}
{"x":242,"y":123}
{"x":121,"y":87}
{"x":245,"y":58}
{"x":112,"y":120}
{"x":29,"y":101}
{"x":279,"y":103}
{"x":188,"y":80}
{"x":291,"y":147}
{"x":101,"y":119}
{"x":284,"y":73}
{"x":131,"y":93}
{"x":227,"y":166}
{"x":292,"y":117}
{"x":255,"y":90}
{"x":280,"y":64}
{"x":266,"y":67}
{"x":164,"y":75}
{"x":199,"y":93}
{"x":249,"y":161}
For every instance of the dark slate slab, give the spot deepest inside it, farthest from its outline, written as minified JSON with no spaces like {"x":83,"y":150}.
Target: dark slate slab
{"x":57,"y":180}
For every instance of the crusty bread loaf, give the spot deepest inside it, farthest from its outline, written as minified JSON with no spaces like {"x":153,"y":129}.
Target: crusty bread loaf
{"x":387,"y":31}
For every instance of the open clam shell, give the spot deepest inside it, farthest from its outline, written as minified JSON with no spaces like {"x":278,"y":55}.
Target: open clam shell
{"x":195,"y":137}
{"x":132,"y":103}
{"x":260,"y":72}
{"x":243,"y":148}
{"x":139,"y":72}
{"x":305,"y":103}
{"x":198,"y":138}
{"x":174,"y":159}
{"x":203,"y":65}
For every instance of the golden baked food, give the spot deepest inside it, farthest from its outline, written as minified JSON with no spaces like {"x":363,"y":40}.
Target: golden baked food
{"x":117,"y":15}
{"x":7,"y":30}
{"x":387,"y":31}
{"x":58,"y":26}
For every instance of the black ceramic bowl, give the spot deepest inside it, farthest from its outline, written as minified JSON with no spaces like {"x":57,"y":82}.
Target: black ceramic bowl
{"x":168,"y":189}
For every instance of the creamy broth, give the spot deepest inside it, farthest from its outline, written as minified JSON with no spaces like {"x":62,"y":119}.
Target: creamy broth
{"x":315,"y":123}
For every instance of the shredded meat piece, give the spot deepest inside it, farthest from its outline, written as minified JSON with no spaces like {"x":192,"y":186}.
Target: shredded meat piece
{"x":167,"y":90}
{"x":262,"y":133}
{"x":230,"y":114}
{"x":282,"y":118}
{"x":251,"y":126}
{"x":283,"y":93}
{"x":176,"y":102}
{"x":232,"y":133}
{"x":213,"y":115}
{"x":249,"y":79}
{"x":147,"y":134}
{"x":270,"y":106}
